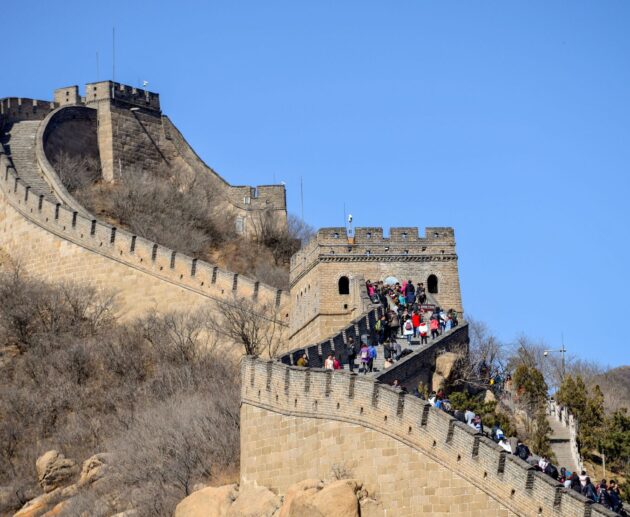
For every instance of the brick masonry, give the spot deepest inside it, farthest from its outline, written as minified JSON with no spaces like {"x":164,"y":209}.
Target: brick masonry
{"x":297,"y":423}
{"x":55,"y":243}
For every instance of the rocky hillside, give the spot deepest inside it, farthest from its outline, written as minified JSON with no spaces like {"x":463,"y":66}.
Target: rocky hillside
{"x":106,"y":416}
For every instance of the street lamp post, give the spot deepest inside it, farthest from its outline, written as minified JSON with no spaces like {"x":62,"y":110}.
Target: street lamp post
{"x":562,"y":351}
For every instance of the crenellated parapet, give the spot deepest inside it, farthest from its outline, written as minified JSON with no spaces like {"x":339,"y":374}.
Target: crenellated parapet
{"x":16,"y":109}
{"x":297,"y":423}
{"x":121,"y":95}
{"x":79,"y":239}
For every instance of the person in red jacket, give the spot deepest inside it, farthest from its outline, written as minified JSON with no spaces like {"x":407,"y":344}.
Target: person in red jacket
{"x":336,"y":364}
{"x":416,"y":320}
{"x":434,"y":325}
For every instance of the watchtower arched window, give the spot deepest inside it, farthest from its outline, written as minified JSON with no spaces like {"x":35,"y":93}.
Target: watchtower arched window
{"x":344,"y":285}
{"x":432,"y":284}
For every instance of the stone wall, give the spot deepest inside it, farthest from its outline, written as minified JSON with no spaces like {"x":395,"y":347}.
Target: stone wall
{"x":56,"y":243}
{"x":298,"y":423}
{"x":419,"y":366}
{"x":15,"y":109}
{"x":134,"y":134}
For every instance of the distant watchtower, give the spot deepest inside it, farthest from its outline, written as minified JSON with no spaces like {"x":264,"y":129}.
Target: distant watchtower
{"x":328,"y":275}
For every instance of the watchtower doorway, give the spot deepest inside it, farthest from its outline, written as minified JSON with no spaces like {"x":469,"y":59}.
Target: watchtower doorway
{"x":344,"y":285}
{"x":432,"y":284}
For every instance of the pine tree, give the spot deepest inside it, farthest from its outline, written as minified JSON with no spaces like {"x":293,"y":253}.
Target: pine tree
{"x":592,"y":421}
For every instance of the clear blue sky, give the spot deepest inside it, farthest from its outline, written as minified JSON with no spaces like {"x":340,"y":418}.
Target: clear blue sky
{"x":509,"y":121}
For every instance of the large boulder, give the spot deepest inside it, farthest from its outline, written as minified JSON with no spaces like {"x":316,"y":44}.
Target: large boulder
{"x":488,"y":396}
{"x":208,"y":502}
{"x":54,"y":470}
{"x":95,"y":468}
{"x":339,"y":499}
{"x":255,"y":501}
{"x":296,"y":491}
{"x":42,"y":504}
{"x":445,"y":367}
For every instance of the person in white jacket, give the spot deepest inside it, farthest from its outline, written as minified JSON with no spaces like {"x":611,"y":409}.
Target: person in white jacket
{"x":424,"y":332}
{"x":408,"y":329}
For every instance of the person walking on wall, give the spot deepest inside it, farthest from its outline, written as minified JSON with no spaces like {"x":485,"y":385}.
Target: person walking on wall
{"x":373,"y":354}
{"x":364,"y":354}
{"x":394,"y":324}
{"x":352,"y":353}
{"x":408,"y":329}
{"x":415,"y":320}
{"x":424,"y":332}
{"x":434,"y":325}
{"x":588,"y":490}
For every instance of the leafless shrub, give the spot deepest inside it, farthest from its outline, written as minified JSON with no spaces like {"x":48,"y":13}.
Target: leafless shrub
{"x":487,"y":355}
{"x":340,"y":471}
{"x":84,"y":384}
{"x":273,"y":275}
{"x":282,"y":241}
{"x":174,"y":445}
{"x":31,"y":308}
{"x":252,"y":324}
{"x":76,"y":171}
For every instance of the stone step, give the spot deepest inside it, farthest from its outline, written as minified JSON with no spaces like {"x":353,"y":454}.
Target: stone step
{"x":19,"y":144}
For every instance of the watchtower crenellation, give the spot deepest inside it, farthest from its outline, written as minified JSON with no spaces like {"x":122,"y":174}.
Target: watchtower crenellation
{"x":122,"y":95}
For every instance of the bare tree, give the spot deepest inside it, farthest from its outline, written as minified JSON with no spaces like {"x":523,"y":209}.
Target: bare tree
{"x":282,"y":241}
{"x":255,"y":325}
{"x":487,"y":355}
{"x":76,"y":171}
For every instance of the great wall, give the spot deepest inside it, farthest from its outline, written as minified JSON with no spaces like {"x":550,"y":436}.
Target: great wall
{"x":296,"y":422}
{"x":54,"y":238}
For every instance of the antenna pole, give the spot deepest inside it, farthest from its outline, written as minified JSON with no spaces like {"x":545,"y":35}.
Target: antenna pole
{"x":563,"y":354}
{"x":302,"y":196}
{"x":113,"y":53}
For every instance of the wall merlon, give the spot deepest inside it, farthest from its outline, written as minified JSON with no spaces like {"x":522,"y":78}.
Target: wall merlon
{"x":68,"y":95}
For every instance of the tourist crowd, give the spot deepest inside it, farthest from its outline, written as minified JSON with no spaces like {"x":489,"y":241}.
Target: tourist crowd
{"x":409,"y":316}
{"x":604,"y":493}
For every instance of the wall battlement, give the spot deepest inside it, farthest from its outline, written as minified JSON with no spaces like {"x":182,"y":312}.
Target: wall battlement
{"x":15,"y":109}
{"x":167,"y":266}
{"x":369,"y":244}
{"x":474,"y":475}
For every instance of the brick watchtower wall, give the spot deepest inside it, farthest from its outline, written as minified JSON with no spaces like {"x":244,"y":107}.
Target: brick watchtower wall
{"x":319,"y":309}
{"x":129,"y":128}
{"x":296,"y":423}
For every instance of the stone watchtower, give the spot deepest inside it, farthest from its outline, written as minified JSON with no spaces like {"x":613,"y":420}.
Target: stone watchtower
{"x":328,"y":275}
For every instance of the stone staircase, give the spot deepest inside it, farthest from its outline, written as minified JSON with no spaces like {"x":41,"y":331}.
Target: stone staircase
{"x":561,"y":445}
{"x":380,"y":350}
{"x":19,"y":144}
